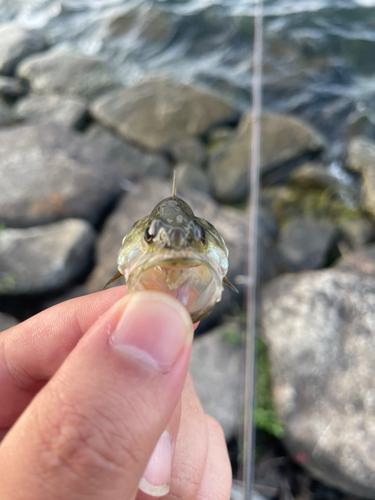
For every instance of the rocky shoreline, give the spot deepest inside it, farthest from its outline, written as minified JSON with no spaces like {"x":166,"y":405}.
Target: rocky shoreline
{"x":82,"y":157}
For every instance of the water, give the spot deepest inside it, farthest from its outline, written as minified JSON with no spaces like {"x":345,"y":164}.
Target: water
{"x":319,"y":54}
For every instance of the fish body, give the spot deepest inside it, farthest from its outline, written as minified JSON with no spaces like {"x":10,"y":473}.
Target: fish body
{"x":173,"y":251}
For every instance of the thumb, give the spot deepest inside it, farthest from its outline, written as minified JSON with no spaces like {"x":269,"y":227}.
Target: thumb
{"x":91,"y":430}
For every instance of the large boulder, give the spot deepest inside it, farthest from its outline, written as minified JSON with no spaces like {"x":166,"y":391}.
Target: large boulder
{"x":361,"y":159}
{"x":158,"y":110}
{"x":319,"y":327}
{"x":216,"y":368}
{"x":16,"y":43}
{"x":67,"y":111}
{"x":134,"y":162}
{"x":41,"y":259}
{"x":306,"y":243}
{"x":63,"y":70}
{"x":283,"y":138}
{"x":231,"y":224}
{"x":49,"y":173}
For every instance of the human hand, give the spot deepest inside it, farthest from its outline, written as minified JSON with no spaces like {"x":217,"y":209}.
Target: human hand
{"x":88,"y":387}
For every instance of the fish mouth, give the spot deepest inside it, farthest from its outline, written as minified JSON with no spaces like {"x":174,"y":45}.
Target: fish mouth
{"x":192,"y":278}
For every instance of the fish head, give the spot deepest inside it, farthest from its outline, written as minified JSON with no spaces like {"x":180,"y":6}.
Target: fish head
{"x":175,"y":252}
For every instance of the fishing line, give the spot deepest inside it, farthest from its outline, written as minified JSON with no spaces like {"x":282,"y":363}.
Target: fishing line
{"x":254,"y":190}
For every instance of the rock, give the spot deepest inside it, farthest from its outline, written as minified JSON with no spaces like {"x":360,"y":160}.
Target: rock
{"x":6,"y":115}
{"x":320,"y":334}
{"x":133,"y":162}
{"x":283,"y":138}
{"x":7,"y":321}
{"x":189,"y":176}
{"x":313,"y":176}
{"x":360,"y":261}
{"x":306,"y":244}
{"x":44,"y":258}
{"x":49,"y":173}
{"x":189,"y":150}
{"x":11,"y":88}
{"x":216,"y":368}
{"x":361,"y":159}
{"x":68,"y":112}
{"x":357,"y":232}
{"x":159,"y":110}
{"x":62,"y":70}
{"x":219,"y":137}
{"x":16,"y":43}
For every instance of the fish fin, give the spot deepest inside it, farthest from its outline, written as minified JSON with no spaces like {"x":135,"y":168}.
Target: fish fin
{"x":174,"y":185}
{"x":113,"y":279}
{"x":229,"y":285}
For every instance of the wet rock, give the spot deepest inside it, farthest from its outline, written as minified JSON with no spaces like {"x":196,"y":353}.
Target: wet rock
{"x":16,"y":43}
{"x":216,"y":369}
{"x":49,"y":173}
{"x":306,"y":243}
{"x":219,"y":137}
{"x":360,"y":261}
{"x":159,"y":110}
{"x":357,"y":232}
{"x":6,"y":115}
{"x":313,"y":176}
{"x":7,"y":321}
{"x":361,"y":159}
{"x":133,"y":163}
{"x":189,"y":150}
{"x":189,"y":176}
{"x":319,"y":329}
{"x":68,"y":112}
{"x":283,"y":138}
{"x":62,"y":70}
{"x":11,"y":88}
{"x":44,"y":258}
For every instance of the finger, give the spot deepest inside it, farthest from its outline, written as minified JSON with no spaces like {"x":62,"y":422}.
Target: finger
{"x":31,"y":352}
{"x":217,"y":479}
{"x":190,"y":452}
{"x":91,"y":430}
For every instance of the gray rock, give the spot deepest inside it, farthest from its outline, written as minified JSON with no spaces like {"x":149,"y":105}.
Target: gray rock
{"x":65,"y":111}
{"x":16,"y":43}
{"x":158,"y":110}
{"x":44,"y":258}
{"x":189,"y":150}
{"x":7,"y":321}
{"x":357,"y":232}
{"x":313,"y":176}
{"x":133,"y":163}
{"x":216,"y":369}
{"x":361,"y":159}
{"x":219,"y":137}
{"x":49,"y":173}
{"x":11,"y":88}
{"x":320,"y":331}
{"x":360,"y":261}
{"x":6,"y":115}
{"x":306,"y":243}
{"x":283,"y":138}
{"x":189,"y":176}
{"x":62,"y":70}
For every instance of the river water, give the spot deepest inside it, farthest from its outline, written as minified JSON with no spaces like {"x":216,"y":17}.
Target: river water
{"x":319,"y":55}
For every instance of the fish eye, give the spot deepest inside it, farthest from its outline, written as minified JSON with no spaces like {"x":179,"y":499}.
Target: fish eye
{"x":203,"y":236}
{"x":148,"y":236}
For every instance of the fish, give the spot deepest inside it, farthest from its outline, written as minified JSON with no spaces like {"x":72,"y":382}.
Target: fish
{"x":173,"y":251}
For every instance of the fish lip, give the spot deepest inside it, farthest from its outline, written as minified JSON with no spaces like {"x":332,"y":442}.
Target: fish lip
{"x":177,"y":257}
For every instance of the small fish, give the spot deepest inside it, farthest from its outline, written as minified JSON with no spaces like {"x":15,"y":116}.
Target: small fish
{"x":173,"y":251}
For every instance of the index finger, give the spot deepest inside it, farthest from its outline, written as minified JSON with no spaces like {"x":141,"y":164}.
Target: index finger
{"x":31,"y":352}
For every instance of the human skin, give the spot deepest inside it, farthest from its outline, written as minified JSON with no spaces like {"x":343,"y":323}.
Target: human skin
{"x":88,"y":388}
